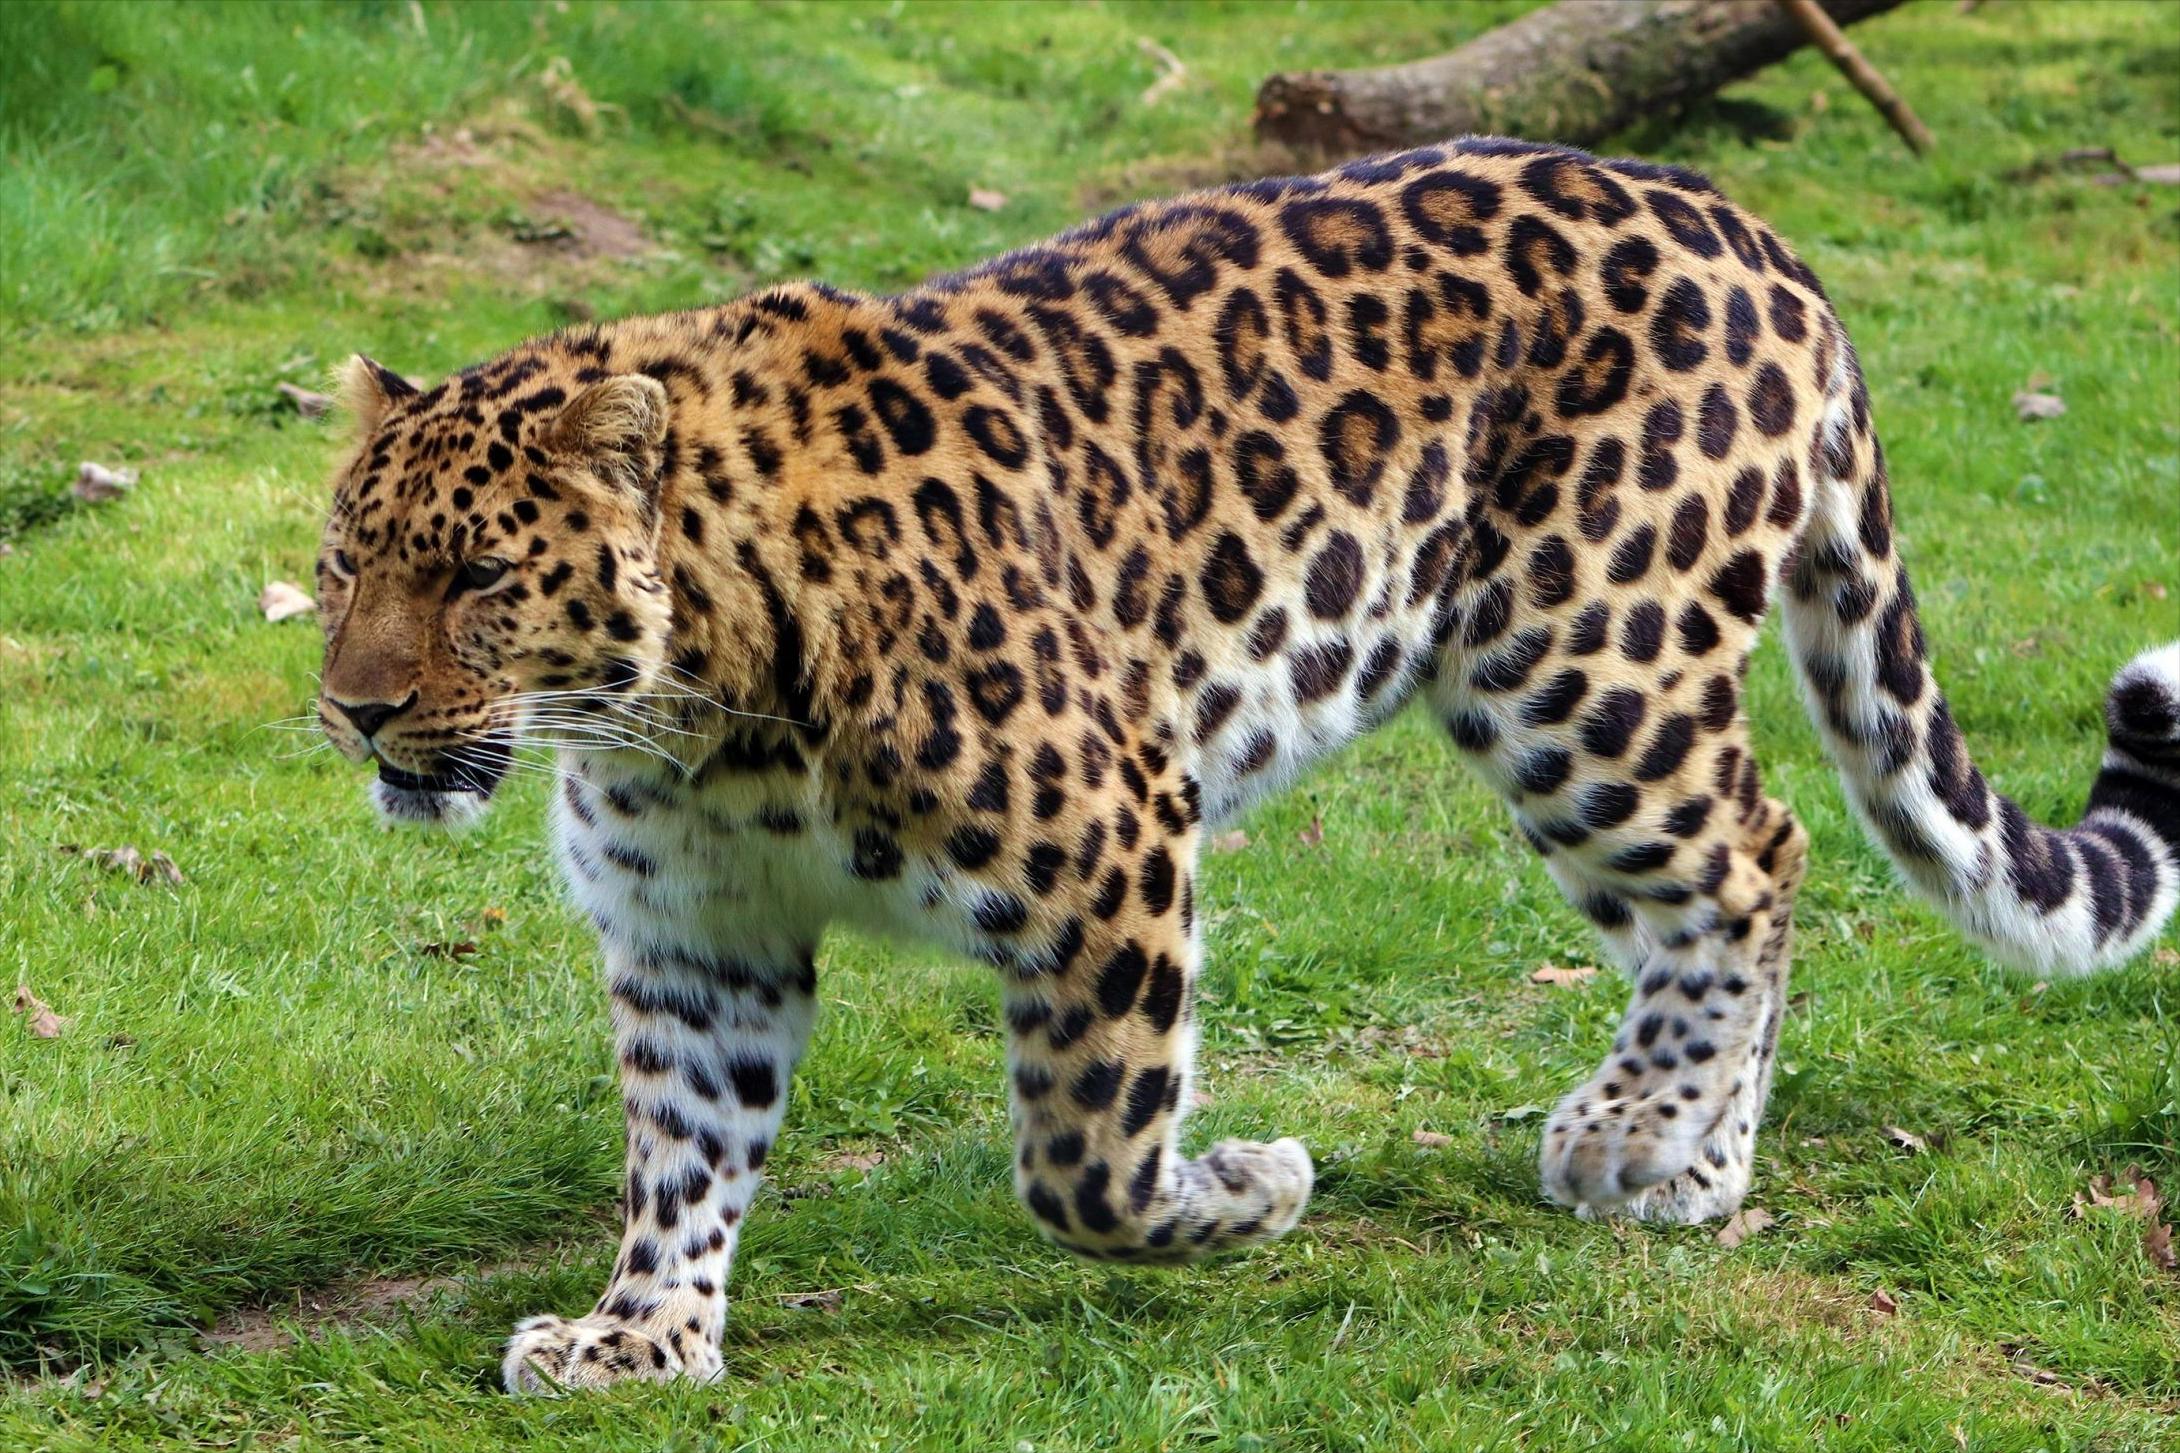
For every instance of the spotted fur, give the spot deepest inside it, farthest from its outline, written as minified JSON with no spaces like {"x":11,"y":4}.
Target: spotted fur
{"x":961,"y":614}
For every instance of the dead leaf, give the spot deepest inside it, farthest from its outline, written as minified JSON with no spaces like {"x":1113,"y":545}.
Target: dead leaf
{"x":459,"y":949}
{"x":158,"y":868}
{"x":44,"y":1023}
{"x":283,"y":600}
{"x":2155,"y":590}
{"x":308,"y":404}
{"x":2139,"y":1198}
{"x":1314,"y":834}
{"x":567,"y":97}
{"x":2031,"y":406}
{"x":2166,"y":958}
{"x":493,"y":917}
{"x":1881,"y":1302}
{"x":1553,"y":974}
{"x":984,"y":199}
{"x":1171,"y":72}
{"x":1748,"y":1221}
{"x":2157,"y":1245}
{"x":1907,"y":1140}
{"x":1432,"y":1140}
{"x":2041,"y":1376}
{"x":1230,"y":842}
{"x":96,"y":484}
{"x":826,"y":1301}
{"x":856,"y":1160}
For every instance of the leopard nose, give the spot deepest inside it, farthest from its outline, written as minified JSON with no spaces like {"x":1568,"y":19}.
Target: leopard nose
{"x":369,"y":716}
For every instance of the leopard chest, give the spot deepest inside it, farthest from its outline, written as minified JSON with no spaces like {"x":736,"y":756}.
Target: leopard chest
{"x":753,"y":861}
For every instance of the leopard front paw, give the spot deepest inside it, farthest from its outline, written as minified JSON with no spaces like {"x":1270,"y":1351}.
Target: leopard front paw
{"x":1646,"y":1153}
{"x":1607,"y":1143}
{"x":551,"y":1354}
{"x":1271,"y":1183}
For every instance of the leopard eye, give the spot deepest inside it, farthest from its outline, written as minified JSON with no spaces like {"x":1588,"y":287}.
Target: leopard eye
{"x":342,"y":563}
{"x":482,"y":573}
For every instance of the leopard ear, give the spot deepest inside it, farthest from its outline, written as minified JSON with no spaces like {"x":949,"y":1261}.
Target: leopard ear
{"x":367,"y":390}
{"x":617,"y":427}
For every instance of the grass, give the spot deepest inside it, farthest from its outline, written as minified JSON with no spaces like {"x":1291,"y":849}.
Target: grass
{"x":288,"y":1072}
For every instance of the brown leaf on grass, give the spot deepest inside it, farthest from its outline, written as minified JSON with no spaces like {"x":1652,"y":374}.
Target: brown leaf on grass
{"x":1171,"y":72}
{"x":1907,"y":1140}
{"x":459,"y":949}
{"x":984,"y":199}
{"x":44,"y":1023}
{"x":2166,"y":958}
{"x":1314,"y":834}
{"x":2041,"y":1376}
{"x":565,"y":95}
{"x":96,"y":484}
{"x":284,"y":600}
{"x":1229,"y":842}
{"x":1881,"y":1302}
{"x":157,"y":868}
{"x":2031,"y":405}
{"x":2155,"y":590}
{"x":2138,"y":1197}
{"x":1748,"y":1221}
{"x":1554,"y":974}
{"x":856,"y":1160}
{"x":825,"y":1301}
{"x":309,"y":405}
{"x":494,"y":917}
{"x":1431,"y":1139}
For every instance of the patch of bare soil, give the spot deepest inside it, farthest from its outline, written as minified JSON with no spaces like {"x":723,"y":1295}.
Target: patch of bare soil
{"x":576,"y":226}
{"x":487,"y":202}
{"x":341,"y":1306}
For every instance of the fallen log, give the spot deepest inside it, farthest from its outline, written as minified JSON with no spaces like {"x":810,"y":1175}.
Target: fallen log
{"x":1575,"y":71}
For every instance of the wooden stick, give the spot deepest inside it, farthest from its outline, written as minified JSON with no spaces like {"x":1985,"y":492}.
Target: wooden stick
{"x":1830,"y":39}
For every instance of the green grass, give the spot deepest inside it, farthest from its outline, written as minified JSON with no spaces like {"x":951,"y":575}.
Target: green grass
{"x":271,"y":1082}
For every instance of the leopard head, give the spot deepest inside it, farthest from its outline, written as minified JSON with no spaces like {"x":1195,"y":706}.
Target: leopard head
{"x":489,"y":566}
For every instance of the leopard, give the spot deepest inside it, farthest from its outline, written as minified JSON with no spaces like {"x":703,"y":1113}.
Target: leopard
{"x":962,"y":615}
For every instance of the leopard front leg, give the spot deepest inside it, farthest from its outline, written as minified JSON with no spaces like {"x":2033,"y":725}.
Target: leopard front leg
{"x":1666,"y":1129}
{"x":706,"y":1044}
{"x":1101,"y":1054}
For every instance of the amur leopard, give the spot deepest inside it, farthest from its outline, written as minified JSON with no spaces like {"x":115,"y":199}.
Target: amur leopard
{"x":963,"y":614}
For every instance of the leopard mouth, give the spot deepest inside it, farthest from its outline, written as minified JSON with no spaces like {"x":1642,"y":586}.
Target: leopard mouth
{"x":476,"y":769}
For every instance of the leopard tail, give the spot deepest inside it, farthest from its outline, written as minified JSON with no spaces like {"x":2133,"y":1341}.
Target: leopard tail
{"x":2052,"y":901}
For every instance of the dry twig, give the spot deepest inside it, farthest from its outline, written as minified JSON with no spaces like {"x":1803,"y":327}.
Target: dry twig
{"x":1826,"y":36}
